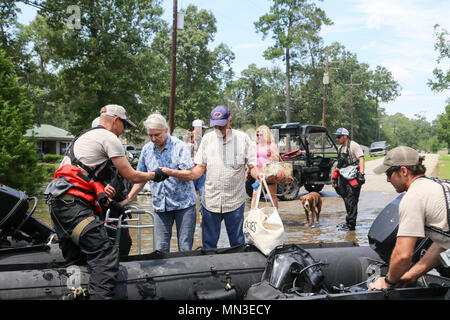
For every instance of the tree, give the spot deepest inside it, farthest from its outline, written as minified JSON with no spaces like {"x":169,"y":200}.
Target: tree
{"x":100,"y":61}
{"x":8,"y":23}
{"x":442,"y":83}
{"x":18,"y":155}
{"x":442,"y":125}
{"x":257,"y":96}
{"x":399,"y":130}
{"x":442,"y":45}
{"x":383,"y":88}
{"x":295,"y":25}
{"x":201,"y":71}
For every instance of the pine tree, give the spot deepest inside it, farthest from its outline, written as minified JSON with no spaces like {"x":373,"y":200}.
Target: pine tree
{"x":18,"y":156}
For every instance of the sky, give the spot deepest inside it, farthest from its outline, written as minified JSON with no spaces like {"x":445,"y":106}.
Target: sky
{"x":396,"y":34}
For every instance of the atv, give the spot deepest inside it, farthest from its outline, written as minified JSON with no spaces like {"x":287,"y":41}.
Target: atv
{"x":312,"y":152}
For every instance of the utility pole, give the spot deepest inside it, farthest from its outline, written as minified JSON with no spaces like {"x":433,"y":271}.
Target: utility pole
{"x":173,"y":67}
{"x":326,"y":81}
{"x":351,"y":84}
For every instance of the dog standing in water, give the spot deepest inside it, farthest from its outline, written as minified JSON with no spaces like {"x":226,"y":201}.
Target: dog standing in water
{"x":312,"y":202}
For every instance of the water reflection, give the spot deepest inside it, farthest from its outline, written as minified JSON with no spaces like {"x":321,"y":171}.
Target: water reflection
{"x":291,"y":212}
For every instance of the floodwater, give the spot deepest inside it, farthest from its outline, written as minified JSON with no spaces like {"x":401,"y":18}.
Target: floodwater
{"x":333,"y":212}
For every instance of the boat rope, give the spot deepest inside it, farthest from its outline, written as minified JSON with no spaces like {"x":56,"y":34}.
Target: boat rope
{"x":147,"y":278}
{"x":224,"y":271}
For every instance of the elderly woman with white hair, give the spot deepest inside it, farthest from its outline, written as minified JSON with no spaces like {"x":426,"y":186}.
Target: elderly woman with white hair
{"x":174,"y":199}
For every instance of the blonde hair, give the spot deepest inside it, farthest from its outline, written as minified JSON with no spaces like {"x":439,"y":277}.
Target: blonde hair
{"x":155,"y":121}
{"x":268,"y":134}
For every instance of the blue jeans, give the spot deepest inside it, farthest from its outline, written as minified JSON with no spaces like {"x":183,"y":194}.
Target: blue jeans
{"x":185,"y":221}
{"x":211,"y":221}
{"x":199,"y":184}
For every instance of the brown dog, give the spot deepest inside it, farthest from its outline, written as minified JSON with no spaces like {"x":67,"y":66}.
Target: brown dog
{"x":312,"y":202}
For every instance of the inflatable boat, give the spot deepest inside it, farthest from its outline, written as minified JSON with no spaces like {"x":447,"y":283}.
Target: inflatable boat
{"x":32,"y":267}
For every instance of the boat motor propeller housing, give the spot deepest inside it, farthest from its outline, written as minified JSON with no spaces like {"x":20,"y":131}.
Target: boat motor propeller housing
{"x":16,"y":220}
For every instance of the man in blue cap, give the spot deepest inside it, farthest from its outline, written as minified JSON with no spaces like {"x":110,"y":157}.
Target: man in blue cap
{"x":224,"y":154}
{"x":349,"y":176}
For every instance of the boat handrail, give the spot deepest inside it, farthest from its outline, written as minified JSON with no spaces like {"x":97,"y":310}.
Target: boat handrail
{"x":120,"y":224}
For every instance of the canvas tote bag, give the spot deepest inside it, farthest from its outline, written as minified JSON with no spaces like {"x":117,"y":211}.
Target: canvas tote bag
{"x":263,"y":226}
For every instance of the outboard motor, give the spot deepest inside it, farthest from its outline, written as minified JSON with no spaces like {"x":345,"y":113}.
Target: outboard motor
{"x":383,"y":233}
{"x":291,"y":265}
{"x":15,"y":219}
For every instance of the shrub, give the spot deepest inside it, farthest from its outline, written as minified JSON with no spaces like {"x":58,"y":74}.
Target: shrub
{"x":18,"y":157}
{"x":52,"y":158}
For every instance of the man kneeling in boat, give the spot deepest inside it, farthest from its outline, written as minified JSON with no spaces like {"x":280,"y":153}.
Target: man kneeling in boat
{"x":423,"y":210}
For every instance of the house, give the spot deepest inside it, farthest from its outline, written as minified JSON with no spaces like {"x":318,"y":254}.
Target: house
{"x":50,"y":139}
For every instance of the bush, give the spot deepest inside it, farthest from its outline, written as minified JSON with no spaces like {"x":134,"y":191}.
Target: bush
{"x":52,"y":158}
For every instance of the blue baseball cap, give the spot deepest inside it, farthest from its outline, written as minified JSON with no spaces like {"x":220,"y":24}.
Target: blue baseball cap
{"x":341,"y":132}
{"x":219,"y":116}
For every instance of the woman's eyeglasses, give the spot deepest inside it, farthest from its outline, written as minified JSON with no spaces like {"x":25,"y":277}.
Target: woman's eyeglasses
{"x":391,"y":170}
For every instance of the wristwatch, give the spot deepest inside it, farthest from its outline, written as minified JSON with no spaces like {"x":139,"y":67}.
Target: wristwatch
{"x":389,"y":283}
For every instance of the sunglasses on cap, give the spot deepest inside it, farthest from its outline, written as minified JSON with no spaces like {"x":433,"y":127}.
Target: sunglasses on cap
{"x":391,"y":170}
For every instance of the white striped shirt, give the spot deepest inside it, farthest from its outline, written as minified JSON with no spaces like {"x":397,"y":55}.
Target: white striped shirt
{"x":225,"y":163}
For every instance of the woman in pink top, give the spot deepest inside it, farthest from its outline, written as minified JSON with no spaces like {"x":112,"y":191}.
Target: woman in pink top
{"x":266,"y":151}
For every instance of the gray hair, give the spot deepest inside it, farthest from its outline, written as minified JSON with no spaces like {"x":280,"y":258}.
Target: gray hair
{"x":155,"y":121}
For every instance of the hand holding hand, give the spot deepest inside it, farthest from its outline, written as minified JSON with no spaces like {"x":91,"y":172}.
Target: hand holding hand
{"x":160,"y":175}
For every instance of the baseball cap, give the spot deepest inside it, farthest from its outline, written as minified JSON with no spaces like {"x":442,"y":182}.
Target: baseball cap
{"x":199,"y":123}
{"x":114,"y":110}
{"x":219,"y":116}
{"x":399,"y":156}
{"x":341,"y":132}
{"x":95,"y":122}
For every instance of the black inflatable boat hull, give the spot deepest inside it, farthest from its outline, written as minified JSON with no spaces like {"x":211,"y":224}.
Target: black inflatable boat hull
{"x":212,"y":274}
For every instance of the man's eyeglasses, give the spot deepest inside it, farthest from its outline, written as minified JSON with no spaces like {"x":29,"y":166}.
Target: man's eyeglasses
{"x":391,"y":170}
{"x":338,"y":137}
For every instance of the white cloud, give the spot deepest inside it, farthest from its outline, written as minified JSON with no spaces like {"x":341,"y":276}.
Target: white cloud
{"x":409,"y":19}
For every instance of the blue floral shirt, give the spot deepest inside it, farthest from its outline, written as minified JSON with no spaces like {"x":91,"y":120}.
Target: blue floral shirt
{"x":172,"y":193}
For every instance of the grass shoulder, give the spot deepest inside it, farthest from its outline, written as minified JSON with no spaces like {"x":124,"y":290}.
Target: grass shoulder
{"x":443,"y":166}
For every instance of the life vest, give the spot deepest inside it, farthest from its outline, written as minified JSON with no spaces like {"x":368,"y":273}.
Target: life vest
{"x":87,"y":189}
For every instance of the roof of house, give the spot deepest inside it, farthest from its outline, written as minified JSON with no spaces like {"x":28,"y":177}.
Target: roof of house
{"x":49,"y":132}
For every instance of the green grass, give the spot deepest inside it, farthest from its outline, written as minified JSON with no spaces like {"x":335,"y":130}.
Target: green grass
{"x":368,"y":157}
{"x":443,"y":166}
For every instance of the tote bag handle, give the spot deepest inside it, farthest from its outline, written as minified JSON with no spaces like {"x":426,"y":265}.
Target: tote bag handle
{"x":258,"y":192}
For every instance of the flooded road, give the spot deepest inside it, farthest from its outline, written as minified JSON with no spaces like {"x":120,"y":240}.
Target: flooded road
{"x":291,"y":212}
{"x":376,"y":193}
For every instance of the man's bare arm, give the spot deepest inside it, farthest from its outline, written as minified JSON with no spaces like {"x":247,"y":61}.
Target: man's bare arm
{"x":127,"y":171}
{"x":194,"y":173}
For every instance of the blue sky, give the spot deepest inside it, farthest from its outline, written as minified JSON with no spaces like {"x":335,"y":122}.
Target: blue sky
{"x":396,"y":34}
